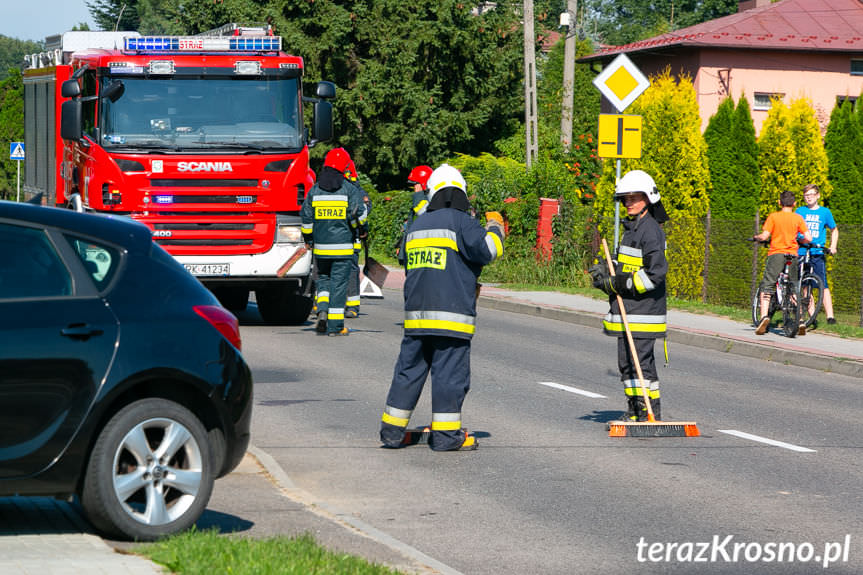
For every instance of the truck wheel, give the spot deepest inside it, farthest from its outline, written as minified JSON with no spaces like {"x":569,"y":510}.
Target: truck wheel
{"x":280,"y":306}
{"x":150,"y":473}
{"x":233,"y":298}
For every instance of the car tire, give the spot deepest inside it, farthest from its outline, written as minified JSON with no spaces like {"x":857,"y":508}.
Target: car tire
{"x":150,"y":472}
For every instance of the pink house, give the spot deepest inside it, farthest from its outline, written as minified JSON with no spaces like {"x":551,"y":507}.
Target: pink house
{"x":790,"y":49}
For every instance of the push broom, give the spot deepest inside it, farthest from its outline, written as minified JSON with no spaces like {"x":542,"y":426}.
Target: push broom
{"x":651,"y":427}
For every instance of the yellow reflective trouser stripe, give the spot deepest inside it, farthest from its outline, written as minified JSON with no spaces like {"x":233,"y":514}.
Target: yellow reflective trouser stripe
{"x":446,"y":421}
{"x":439,"y":324}
{"x":397,"y":421}
{"x":396,"y":416}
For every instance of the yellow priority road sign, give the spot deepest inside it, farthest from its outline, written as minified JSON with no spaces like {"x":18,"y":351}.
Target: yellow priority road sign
{"x":621,"y":82}
{"x":619,"y":136}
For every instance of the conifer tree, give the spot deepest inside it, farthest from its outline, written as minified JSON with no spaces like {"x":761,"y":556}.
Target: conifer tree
{"x":809,"y":149}
{"x":747,"y":175}
{"x":842,"y":144}
{"x":777,"y":158}
{"x":721,"y":154}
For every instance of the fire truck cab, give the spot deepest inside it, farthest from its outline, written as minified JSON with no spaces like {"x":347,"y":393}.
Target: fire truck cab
{"x":201,"y":138}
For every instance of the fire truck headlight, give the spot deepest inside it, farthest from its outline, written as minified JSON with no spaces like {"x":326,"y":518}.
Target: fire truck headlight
{"x":288,"y":234}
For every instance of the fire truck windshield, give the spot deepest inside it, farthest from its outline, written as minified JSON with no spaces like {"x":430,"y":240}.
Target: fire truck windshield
{"x":194,"y":112}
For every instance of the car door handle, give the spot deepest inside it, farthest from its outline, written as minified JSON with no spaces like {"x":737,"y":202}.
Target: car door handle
{"x":80,"y":331}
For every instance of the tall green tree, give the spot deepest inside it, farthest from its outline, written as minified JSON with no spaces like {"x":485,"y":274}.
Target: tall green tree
{"x":625,"y":21}
{"x":11,"y":128}
{"x":809,"y":149}
{"x":777,"y":157}
{"x":746,"y":148}
{"x":12,"y":52}
{"x":108,"y":14}
{"x":721,"y":153}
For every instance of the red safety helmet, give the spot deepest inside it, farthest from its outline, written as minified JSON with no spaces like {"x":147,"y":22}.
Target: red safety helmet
{"x":351,"y":171}
{"x":420,"y":175}
{"x":338,"y":159}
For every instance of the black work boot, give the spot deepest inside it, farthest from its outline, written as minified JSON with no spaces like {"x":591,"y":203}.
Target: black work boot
{"x":631,"y":409}
{"x":640,"y":409}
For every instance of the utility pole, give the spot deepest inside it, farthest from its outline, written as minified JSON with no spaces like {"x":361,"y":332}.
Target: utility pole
{"x":531,"y":132}
{"x":568,"y":21}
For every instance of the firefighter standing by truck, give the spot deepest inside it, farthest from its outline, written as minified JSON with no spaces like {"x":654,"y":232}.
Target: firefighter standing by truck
{"x":639,"y":279}
{"x":446,"y":251}
{"x":352,"y":309}
{"x":332,"y":212}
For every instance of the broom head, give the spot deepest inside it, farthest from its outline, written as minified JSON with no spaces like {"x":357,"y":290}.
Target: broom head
{"x":653,"y":429}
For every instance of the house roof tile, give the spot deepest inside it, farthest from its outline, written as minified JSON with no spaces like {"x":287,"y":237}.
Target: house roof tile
{"x":820,"y":25}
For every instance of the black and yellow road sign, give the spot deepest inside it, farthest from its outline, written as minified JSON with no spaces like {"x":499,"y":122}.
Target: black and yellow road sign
{"x":619,"y":136}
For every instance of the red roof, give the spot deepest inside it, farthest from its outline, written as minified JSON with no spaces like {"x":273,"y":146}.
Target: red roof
{"x":811,"y":25}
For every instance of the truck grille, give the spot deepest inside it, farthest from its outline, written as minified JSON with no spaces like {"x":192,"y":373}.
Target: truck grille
{"x":203,"y":183}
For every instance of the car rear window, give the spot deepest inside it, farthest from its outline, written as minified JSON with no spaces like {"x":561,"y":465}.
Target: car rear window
{"x":100,"y":260}
{"x":30,"y":266}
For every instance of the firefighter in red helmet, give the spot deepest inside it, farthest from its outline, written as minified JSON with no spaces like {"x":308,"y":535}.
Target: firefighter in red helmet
{"x":332,"y":213}
{"x":419,"y":177}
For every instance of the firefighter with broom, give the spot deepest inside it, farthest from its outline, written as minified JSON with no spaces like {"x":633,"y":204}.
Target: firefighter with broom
{"x":446,"y":251}
{"x":639,"y":280}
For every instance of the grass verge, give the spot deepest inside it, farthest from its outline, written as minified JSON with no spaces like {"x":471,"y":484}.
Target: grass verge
{"x":206,"y":552}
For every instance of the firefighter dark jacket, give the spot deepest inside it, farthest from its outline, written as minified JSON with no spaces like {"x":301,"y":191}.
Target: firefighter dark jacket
{"x":446,"y":251}
{"x":640,"y":257}
{"x":332,"y":212}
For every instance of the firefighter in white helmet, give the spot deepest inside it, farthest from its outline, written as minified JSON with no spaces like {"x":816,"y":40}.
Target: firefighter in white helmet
{"x":640,"y":271}
{"x":446,"y":250}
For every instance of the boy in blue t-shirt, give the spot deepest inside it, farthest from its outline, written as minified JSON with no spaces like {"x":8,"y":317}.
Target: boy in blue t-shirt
{"x":819,"y":219}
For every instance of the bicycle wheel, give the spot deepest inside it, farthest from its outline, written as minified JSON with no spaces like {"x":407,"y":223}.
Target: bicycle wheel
{"x":790,"y":311}
{"x":811,"y":298}
{"x":756,"y":307}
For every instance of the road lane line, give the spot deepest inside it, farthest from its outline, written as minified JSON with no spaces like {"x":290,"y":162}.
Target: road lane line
{"x":571,"y":389}
{"x":773,"y":442}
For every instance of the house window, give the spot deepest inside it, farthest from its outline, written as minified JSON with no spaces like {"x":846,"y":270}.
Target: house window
{"x":857,"y":67}
{"x":842,"y":99}
{"x":762,"y":100}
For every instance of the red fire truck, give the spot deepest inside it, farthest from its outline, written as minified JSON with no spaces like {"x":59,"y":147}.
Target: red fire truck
{"x":201,"y":138}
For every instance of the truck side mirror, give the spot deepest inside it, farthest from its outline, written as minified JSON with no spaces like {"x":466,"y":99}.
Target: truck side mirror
{"x":70,"y":89}
{"x":114,"y":90}
{"x":323,"y":122}
{"x":70,"y":120}
{"x":326,"y":90}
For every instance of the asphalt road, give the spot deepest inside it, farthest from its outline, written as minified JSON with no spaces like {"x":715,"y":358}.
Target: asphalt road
{"x":547,"y":491}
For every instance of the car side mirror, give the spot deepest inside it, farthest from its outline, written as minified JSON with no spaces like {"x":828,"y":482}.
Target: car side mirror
{"x":70,"y":120}
{"x":323,"y":122}
{"x":114,"y":90}
{"x":70,"y":89}
{"x":326,"y":90}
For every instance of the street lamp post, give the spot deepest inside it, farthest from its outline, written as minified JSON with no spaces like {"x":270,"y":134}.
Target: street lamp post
{"x":568,"y":22}
{"x":530,"y":125}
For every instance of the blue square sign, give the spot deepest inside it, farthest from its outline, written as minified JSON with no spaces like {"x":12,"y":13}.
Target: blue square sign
{"x":16,"y":150}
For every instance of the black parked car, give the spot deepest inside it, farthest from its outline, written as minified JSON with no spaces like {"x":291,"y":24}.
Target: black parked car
{"x":121,"y":379}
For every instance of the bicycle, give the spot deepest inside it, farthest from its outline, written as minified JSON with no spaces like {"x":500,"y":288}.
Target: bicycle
{"x":811,"y":288}
{"x":784,"y":298}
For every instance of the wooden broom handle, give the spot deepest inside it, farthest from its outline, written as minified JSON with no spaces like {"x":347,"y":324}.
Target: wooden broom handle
{"x":632,"y":351}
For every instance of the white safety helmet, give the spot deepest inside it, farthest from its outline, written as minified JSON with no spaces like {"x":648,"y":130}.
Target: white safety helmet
{"x":445,"y":176}
{"x":637,"y":181}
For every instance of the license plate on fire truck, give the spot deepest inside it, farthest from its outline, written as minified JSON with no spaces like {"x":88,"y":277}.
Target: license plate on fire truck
{"x":208,"y":269}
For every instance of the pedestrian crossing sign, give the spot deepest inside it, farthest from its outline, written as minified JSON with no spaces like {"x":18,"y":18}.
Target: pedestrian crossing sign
{"x":16,"y":150}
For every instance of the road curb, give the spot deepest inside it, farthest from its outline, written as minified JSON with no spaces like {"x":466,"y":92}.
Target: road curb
{"x":811,"y":359}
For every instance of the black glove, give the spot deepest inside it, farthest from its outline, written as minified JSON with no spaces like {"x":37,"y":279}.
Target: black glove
{"x":598,"y":272}
{"x":619,"y":284}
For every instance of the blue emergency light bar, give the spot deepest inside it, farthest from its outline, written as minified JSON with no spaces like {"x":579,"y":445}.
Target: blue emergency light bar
{"x":204,"y":44}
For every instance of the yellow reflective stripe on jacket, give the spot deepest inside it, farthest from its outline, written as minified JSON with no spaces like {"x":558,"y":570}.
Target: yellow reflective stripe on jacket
{"x":420,"y":207}
{"x":495,"y":246}
{"x":639,"y":323}
{"x":442,"y":320}
{"x":333,"y":249}
{"x":642,"y":282}
{"x":630,"y":259}
{"x":441,"y":238}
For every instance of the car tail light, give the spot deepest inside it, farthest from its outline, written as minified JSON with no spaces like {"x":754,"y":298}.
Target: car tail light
{"x":222,"y":320}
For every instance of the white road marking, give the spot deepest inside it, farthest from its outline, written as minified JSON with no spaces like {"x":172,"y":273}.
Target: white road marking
{"x":571,"y":389}
{"x":773,"y":442}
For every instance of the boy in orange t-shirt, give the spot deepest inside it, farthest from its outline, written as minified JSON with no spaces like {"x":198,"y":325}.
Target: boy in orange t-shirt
{"x":782,"y":228}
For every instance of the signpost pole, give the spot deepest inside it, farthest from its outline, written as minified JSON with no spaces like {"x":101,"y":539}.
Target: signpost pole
{"x":18,"y":194}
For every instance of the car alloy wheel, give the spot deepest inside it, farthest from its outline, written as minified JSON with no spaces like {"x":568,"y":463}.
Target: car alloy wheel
{"x":150,"y":473}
